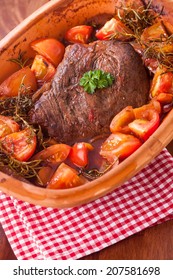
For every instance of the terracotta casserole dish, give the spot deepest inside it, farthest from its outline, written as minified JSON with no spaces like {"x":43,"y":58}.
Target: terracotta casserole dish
{"x":53,"y":20}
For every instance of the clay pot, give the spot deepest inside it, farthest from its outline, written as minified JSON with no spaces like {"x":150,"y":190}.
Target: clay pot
{"x":52,"y":20}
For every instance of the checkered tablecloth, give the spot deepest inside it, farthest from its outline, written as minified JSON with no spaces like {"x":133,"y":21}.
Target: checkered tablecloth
{"x":40,"y":233}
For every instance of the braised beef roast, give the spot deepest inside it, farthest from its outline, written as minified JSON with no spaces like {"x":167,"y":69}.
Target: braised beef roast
{"x":69,"y":113}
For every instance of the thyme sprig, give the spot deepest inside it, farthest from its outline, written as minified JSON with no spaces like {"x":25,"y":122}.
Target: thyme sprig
{"x":20,"y":59}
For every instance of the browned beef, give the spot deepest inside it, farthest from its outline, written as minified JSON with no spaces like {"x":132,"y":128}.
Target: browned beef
{"x":69,"y":113}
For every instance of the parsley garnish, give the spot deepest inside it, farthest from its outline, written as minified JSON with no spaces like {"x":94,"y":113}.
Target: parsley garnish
{"x":96,"y":79}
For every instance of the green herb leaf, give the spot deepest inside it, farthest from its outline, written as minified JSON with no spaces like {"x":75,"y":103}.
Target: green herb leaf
{"x":96,"y":79}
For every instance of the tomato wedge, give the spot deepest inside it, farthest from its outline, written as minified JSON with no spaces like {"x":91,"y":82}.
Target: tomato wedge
{"x":154,"y":32}
{"x":22,"y":81}
{"x":162,"y":82}
{"x":20,"y":145}
{"x":45,"y":174}
{"x":154,"y":105}
{"x":160,"y":30}
{"x":168,"y":27}
{"x":54,"y":154}
{"x":120,"y":123}
{"x":145,"y":126}
{"x":43,"y":69}
{"x":7,"y":126}
{"x":114,"y":28}
{"x":79,"y":154}
{"x":121,"y":120}
{"x":165,"y":98}
{"x":52,"y":49}
{"x":79,"y":34}
{"x":119,"y":146}
{"x":65,"y":177}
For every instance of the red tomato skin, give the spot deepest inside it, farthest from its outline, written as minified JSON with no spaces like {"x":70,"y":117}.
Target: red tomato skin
{"x":166,"y":83}
{"x":113,"y":28}
{"x":11,"y":86}
{"x":65,"y":177}
{"x":79,"y":34}
{"x":145,"y":126}
{"x":119,"y":146}
{"x":7,"y":126}
{"x":162,"y":82}
{"x":79,"y":154}
{"x":50,"y":48}
{"x":20,"y":145}
{"x":54,"y":154}
{"x":165,"y":98}
{"x":153,"y":105}
{"x":120,"y":122}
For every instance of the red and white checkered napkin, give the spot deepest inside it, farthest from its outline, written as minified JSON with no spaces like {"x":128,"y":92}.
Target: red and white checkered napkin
{"x":36,"y":232}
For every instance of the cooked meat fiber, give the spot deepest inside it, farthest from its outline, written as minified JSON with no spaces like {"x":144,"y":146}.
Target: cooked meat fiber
{"x":69,"y":113}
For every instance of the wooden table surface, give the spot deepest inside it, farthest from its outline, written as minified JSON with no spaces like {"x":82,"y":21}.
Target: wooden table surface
{"x":150,"y":244}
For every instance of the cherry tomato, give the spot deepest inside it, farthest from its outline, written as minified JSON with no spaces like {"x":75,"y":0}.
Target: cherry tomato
{"x":114,"y":28}
{"x":145,"y":126}
{"x":79,"y":154}
{"x":22,"y":81}
{"x":43,"y":69}
{"x":7,"y":126}
{"x":20,"y":145}
{"x":119,"y":146}
{"x":65,"y":177}
{"x":52,"y":49}
{"x":55,"y":153}
{"x":121,"y":120}
{"x":79,"y":34}
{"x":162,"y":82}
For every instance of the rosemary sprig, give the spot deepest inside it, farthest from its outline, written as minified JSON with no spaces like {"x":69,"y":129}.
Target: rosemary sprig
{"x":19,"y":106}
{"x":156,"y":50}
{"x":26,"y":170}
{"x":22,"y":105}
{"x":138,"y":20}
{"x":20,"y":59}
{"x":94,"y":173}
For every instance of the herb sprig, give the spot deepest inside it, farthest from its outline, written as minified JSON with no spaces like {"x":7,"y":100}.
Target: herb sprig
{"x":26,"y":170}
{"x":160,"y":51}
{"x":96,"y":79}
{"x":20,"y":59}
{"x":22,"y":105}
{"x":94,"y":173}
{"x":138,"y":19}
